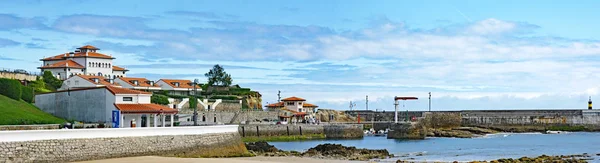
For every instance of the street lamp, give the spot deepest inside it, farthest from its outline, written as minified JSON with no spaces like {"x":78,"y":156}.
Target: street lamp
{"x":195,"y":116}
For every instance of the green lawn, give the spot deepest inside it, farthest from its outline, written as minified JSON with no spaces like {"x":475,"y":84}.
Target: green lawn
{"x":14,"y":112}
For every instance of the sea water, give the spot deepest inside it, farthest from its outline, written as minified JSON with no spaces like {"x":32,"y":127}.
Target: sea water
{"x":493,"y":146}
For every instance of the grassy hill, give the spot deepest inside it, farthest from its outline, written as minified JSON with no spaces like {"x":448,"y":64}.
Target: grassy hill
{"x":13,"y":112}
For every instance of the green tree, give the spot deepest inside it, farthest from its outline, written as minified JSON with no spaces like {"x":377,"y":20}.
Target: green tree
{"x":52,"y":81}
{"x":159,"y":99}
{"x":218,"y":77}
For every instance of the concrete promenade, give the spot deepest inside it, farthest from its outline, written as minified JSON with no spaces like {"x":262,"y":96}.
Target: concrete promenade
{"x":92,"y":144}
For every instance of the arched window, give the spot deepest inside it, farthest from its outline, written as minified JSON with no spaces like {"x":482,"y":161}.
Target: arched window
{"x":90,"y":64}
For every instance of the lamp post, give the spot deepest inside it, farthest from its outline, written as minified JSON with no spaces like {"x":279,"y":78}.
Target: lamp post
{"x":195,"y":116}
{"x":429,"y":101}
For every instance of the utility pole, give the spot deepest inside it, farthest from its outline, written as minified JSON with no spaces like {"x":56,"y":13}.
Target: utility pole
{"x":195,"y":116}
{"x":429,"y":101}
{"x":352,"y":105}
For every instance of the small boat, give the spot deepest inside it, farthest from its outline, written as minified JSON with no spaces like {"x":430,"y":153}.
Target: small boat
{"x":556,"y":132}
{"x":380,"y":133}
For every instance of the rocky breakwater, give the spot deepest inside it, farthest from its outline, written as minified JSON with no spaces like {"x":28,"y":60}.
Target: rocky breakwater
{"x":327,"y":151}
{"x":459,"y":132}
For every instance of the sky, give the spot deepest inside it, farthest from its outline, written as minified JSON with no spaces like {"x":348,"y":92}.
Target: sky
{"x":471,"y":55}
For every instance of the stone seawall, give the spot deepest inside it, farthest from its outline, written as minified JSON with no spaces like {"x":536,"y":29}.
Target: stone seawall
{"x":330,"y":131}
{"x":29,"y":127}
{"x":17,"y":76}
{"x":92,"y":144}
{"x":536,"y":119}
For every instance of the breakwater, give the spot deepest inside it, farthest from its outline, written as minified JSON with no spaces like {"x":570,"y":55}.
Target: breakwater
{"x":330,"y":130}
{"x":92,"y":144}
{"x":533,"y":120}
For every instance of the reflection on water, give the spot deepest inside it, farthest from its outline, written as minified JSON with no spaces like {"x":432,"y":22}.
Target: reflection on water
{"x":494,"y":146}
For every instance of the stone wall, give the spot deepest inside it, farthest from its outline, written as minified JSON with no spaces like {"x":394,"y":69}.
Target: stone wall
{"x":29,"y":127}
{"x":17,"y":76}
{"x":406,"y":131}
{"x":330,"y":131}
{"x":68,"y":146}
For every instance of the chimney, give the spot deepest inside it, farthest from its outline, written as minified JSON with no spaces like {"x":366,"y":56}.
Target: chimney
{"x":86,"y":53}
{"x":96,"y":80}
{"x":135,"y":82}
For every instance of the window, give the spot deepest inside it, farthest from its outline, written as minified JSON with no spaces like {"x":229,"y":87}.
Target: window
{"x":76,"y":82}
{"x":127,"y":98}
{"x":68,"y":82}
{"x":290,"y":103}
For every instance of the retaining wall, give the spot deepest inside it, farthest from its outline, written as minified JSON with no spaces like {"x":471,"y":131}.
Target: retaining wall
{"x":330,"y":131}
{"x":29,"y":127}
{"x":17,"y":76}
{"x":92,"y":144}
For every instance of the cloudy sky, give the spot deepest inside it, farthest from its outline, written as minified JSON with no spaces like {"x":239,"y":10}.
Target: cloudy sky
{"x":469,"y":54}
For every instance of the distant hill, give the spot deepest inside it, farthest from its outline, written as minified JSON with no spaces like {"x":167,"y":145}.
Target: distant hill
{"x":13,"y":112}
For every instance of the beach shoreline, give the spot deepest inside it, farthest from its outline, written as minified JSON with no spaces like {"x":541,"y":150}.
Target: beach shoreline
{"x":257,"y":159}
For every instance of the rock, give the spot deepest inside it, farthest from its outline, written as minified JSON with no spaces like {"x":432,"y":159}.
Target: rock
{"x":476,"y":130}
{"x":337,"y":151}
{"x":261,"y":147}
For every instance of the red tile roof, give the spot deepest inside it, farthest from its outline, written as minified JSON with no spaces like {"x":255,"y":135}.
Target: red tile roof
{"x":142,"y":82}
{"x":76,"y":55}
{"x":144,"y":108}
{"x":116,"y":91}
{"x":182,"y":83}
{"x":279,"y":104}
{"x":309,"y":105}
{"x":63,"y":64}
{"x":294,"y":98}
{"x":101,"y":80}
{"x":88,"y":47}
{"x":117,"y":68}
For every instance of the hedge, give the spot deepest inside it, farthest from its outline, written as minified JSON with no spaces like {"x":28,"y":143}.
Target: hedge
{"x":10,"y":88}
{"x":159,"y":99}
{"x":27,"y":94}
{"x":224,"y":97}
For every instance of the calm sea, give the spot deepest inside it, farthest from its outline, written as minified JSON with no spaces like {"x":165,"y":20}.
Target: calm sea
{"x":494,"y":146}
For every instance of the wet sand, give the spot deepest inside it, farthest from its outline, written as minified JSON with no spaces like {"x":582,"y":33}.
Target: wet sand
{"x":158,"y":159}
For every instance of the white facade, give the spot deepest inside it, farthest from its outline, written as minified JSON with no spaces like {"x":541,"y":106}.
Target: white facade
{"x":90,"y":63}
{"x":98,"y":67}
{"x":95,"y":105}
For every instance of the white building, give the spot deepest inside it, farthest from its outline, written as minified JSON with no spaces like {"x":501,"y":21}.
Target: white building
{"x":96,"y":105}
{"x":294,"y":107}
{"x":137,"y":83}
{"x":83,"y":61}
{"x":86,"y":81}
{"x":177,"y":87}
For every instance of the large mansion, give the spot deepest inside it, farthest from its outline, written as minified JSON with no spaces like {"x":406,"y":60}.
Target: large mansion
{"x":83,"y":61}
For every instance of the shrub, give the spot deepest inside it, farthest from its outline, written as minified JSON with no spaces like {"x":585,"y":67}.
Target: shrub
{"x":27,"y":94}
{"x":159,"y":99}
{"x":10,"y":88}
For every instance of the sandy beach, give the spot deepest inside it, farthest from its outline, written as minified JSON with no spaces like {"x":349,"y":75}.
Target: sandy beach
{"x":158,"y":159}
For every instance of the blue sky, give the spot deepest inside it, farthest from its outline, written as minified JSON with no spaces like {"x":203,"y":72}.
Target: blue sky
{"x":469,"y":54}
